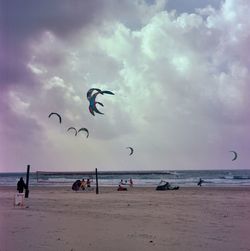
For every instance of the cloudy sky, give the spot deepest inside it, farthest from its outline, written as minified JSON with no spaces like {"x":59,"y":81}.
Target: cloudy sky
{"x":179,"y":70}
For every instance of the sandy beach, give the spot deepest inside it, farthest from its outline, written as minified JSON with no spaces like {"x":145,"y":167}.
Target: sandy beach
{"x":56,"y":218}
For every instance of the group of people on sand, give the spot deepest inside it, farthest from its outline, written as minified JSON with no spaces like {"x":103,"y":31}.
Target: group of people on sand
{"x":81,"y":185}
{"x":123,"y":183}
{"x":164,"y":185}
{"x":85,"y":184}
{"x":122,"y":186}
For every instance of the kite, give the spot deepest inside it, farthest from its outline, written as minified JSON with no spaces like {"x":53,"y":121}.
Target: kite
{"x":131,"y":150}
{"x":107,"y":92}
{"x":84,"y":129}
{"x":92,"y":104}
{"x":92,"y":99}
{"x":90,"y":91}
{"x":72,"y":128}
{"x":235,"y":155}
{"x":54,"y":113}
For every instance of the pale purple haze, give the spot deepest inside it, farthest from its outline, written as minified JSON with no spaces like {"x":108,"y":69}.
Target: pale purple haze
{"x":179,"y":71}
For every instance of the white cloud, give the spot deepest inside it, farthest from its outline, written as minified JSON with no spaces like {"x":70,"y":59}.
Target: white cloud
{"x":55,"y":82}
{"x":17,"y":104}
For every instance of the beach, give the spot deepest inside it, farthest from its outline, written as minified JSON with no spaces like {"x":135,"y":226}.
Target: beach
{"x":191,"y":218}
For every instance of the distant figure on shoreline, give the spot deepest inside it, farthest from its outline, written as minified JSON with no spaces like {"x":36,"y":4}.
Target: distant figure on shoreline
{"x":131,"y":182}
{"x":200,"y":182}
{"x":21,"y":185}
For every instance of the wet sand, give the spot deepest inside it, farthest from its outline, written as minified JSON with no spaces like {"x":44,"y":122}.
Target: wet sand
{"x":56,"y":218}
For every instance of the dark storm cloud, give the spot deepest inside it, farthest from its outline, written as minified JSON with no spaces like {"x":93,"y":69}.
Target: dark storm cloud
{"x":23,"y":20}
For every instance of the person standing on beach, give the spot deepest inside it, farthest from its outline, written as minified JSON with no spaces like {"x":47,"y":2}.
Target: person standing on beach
{"x":88,"y":182}
{"x":130,"y":182}
{"x":200,"y":182}
{"x":21,"y":185}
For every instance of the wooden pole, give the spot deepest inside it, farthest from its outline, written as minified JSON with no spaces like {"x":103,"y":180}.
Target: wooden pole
{"x":96,"y":179}
{"x":27,"y":182}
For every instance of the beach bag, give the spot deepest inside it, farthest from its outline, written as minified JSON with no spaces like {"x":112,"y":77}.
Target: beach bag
{"x":19,"y":200}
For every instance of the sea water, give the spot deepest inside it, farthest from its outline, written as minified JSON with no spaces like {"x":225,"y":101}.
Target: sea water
{"x":183,"y":178}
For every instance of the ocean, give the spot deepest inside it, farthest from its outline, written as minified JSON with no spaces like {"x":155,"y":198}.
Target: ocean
{"x":182,"y":178}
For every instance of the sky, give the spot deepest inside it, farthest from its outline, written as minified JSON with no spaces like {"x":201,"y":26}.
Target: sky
{"x":179,"y":71}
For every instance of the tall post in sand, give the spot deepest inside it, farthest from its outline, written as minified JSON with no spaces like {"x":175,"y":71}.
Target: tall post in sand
{"x":96,"y":179}
{"x":27,"y":182}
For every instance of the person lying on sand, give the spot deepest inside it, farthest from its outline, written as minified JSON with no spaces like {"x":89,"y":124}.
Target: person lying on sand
{"x":120,"y":188}
{"x":164,"y":185}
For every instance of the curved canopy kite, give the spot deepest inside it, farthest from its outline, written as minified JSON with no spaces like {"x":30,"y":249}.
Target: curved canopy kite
{"x":235,"y":155}
{"x":84,"y":129}
{"x":131,"y":150}
{"x":92,"y":99}
{"x":55,"y":113}
{"x":72,"y":128}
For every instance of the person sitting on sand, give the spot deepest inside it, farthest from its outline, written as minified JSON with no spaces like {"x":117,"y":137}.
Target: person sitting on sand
{"x":21,"y":185}
{"x":88,"y":182}
{"x":83,"y":184}
{"x":120,"y":188}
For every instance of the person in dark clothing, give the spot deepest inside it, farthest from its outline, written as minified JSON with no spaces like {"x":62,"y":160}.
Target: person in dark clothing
{"x":88,"y":182}
{"x":164,"y":185}
{"x":120,"y":188}
{"x":200,"y":182}
{"x":21,"y":185}
{"x":76,"y":185}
